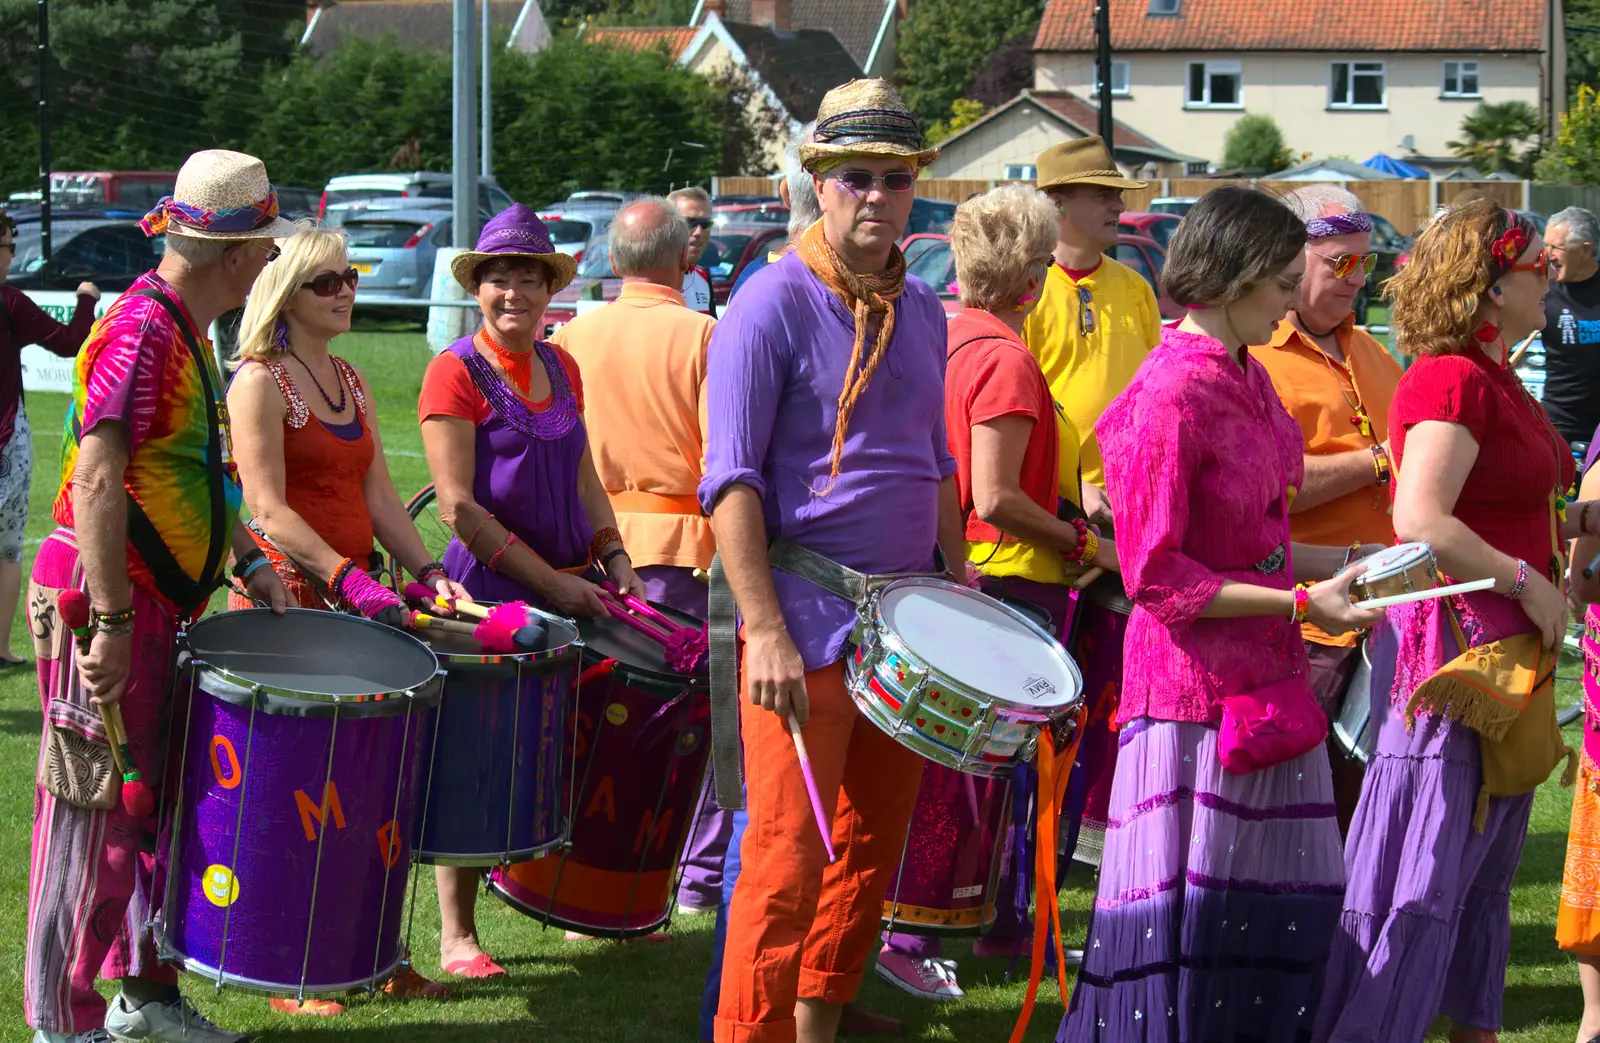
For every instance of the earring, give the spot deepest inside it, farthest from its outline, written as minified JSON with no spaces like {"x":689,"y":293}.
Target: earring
{"x":1486,"y":332}
{"x":1025,"y":300}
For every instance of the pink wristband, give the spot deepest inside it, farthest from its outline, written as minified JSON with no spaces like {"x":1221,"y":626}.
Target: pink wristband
{"x":366,"y":595}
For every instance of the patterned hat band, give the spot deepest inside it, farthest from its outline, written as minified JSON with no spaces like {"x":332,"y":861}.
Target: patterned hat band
{"x":864,"y":125}
{"x":1338,"y":224}
{"x":238,"y":219}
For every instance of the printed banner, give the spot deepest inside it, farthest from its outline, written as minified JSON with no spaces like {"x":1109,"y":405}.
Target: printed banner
{"x":42,"y":371}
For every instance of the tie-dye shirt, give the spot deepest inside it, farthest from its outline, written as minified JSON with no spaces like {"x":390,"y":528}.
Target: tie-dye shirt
{"x":135,"y":369}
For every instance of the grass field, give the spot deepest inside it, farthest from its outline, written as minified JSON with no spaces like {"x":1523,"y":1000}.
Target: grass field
{"x":558,"y":992}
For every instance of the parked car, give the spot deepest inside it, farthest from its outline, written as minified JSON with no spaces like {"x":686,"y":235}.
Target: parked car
{"x":1150,"y":225}
{"x":934,"y":264}
{"x":1173,"y":204}
{"x":751,"y":213}
{"x":572,"y":228}
{"x":912,"y":246}
{"x":295,"y":203}
{"x":1390,"y":246}
{"x":110,"y":254}
{"x":394,"y":250}
{"x":347,"y":188}
{"x":731,"y":248}
{"x":717,"y":202}
{"x":135,"y":189}
{"x":930,"y":215}
{"x":600,"y":198}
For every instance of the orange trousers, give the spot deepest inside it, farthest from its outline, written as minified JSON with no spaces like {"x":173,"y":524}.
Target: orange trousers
{"x":798,"y":927}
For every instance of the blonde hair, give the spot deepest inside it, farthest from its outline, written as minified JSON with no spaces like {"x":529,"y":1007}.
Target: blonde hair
{"x":1437,"y":294}
{"x":999,"y":240}
{"x":310,"y":248}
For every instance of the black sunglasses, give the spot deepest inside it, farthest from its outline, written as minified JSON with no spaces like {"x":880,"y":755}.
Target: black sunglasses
{"x":699,"y":222}
{"x":860,"y":181}
{"x":327,"y":284}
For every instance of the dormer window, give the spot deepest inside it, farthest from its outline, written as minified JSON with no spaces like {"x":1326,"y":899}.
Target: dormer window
{"x":1164,"y":7}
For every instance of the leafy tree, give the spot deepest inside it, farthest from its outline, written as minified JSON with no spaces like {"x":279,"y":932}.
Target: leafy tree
{"x":1007,"y":71}
{"x":1500,"y":136}
{"x":749,"y":125}
{"x":1574,"y":157}
{"x":1254,"y":144}
{"x":963,"y":113}
{"x":943,"y":44}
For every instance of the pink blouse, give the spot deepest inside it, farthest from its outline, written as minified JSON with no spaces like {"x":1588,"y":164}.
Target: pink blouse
{"x":1198,"y":454}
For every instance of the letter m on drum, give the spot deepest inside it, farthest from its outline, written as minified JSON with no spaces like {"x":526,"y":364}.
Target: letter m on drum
{"x":310,"y":812}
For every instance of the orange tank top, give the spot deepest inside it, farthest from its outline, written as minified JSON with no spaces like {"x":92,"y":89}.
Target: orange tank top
{"x":324,"y":473}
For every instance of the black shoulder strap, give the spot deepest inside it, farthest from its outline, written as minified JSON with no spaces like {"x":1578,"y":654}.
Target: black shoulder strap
{"x":186,"y":592}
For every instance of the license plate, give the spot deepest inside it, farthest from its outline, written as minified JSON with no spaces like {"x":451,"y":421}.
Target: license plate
{"x":364,"y":267}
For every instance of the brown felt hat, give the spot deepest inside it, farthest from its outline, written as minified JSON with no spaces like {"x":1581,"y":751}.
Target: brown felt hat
{"x":1082,"y":161}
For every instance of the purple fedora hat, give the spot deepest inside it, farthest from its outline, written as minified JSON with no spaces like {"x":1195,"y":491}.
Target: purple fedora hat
{"x":515,"y":231}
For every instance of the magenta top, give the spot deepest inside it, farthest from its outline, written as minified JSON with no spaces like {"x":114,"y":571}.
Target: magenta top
{"x":1198,"y":453}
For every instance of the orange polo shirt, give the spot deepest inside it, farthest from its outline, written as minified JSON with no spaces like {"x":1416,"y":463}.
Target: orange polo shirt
{"x":1322,"y":396}
{"x":643,"y":360}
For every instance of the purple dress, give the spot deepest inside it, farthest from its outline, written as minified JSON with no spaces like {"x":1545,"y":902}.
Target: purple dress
{"x":526,"y":475}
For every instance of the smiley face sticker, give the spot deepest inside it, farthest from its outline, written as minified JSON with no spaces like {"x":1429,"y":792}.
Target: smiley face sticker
{"x":221,"y":887}
{"x":617,"y":714}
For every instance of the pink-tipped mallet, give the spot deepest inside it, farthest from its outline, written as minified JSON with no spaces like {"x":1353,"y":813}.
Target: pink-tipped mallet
{"x":811,"y":787}
{"x":137,"y":798}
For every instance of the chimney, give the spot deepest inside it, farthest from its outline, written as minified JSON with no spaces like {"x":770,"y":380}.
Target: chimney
{"x":773,"y":14}
{"x":715,"y":7}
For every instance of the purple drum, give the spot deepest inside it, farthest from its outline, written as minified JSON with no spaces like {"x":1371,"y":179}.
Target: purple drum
{"x":1102,"y":619}
{"x":950,"y":866}
{"x":298,"y":746}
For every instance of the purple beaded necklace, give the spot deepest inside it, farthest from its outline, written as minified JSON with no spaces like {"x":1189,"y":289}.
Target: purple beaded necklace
{"x":552,"y":423}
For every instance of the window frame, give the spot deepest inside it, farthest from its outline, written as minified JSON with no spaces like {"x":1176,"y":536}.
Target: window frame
{"x":1350,"y":64}
{"x":1026,"y":172}
{"x":1209,"y":69}
{"x":1125,"y":91}
{"x":1461,"y":74}
{"x":1176,"y":9}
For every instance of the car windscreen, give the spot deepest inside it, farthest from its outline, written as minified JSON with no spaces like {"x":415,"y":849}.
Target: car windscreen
{"x":568,"y":231}
{"x":380,"y":235}
{"x":351,"y":195}
{"x":933,"y":266}
{"x":722,"y":253}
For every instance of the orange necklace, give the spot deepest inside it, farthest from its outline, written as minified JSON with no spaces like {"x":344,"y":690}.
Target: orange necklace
{"x":517,"y":365}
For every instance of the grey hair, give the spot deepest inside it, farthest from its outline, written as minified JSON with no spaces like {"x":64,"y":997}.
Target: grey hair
{"x":197,"y":253}
{"x":694,"y":192}
{"x":1314,"y":201}
{"x":1581,"y":224}
{"x":648,"y":246}
{"x":804,"y":210}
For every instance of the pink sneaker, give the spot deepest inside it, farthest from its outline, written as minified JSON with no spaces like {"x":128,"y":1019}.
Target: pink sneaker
{"x":929,"y":979}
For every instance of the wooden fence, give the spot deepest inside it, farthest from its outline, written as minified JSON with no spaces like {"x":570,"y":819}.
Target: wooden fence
{"x":1406,"y":204}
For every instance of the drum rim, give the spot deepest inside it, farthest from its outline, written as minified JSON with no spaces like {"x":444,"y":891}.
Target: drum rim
{"x":222,"y":980}
{"x":1421,"y":551}
{"x":487,"y":858}
{"x":891,"y":641}
{"x":496,"y":888}
{"x":275,"y":699}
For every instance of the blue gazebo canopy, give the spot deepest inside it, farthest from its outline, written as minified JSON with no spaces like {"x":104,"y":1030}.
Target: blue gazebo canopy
{"x":1389,"y":165}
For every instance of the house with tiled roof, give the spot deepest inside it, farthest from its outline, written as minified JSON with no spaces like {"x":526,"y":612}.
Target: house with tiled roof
{"x":673,"y":40}
{"x":422,"y":25}
{"x":867,"y":29}
{"x":1351,"y":79}
{"x":1003,"y":144}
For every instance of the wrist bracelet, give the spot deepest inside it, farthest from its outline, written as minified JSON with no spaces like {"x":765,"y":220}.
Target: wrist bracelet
{"x":494,"y":559}
{"x":115,"y":629}
{"x":605,"y":562}
{"x":1583,"y":518}
{"x":241,"y":567}
{"x":104,"y":620}
{"x":428,"y":569}
{"x":1089,"y":548}
{"x":1380,"y":464}
{"x":1302,"y":603}
{"x":603,"y":538}
{"x":1521,"y":582}
{"x":254,"y":567}
{"x":336,"y":581}
{"x":487,"y":518}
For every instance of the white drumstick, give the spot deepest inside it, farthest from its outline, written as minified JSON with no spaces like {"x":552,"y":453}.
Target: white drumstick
{"x":1424,"y":595}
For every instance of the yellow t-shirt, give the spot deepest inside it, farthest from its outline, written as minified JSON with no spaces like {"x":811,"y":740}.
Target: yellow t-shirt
{"x":1087,"y":371}
{"x":1027,"y":560}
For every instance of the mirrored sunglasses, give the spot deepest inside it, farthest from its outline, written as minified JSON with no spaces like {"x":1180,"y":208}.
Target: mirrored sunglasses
{"x":327,"y":284}
{"x":860,"y":181}
{"x":1345,"y":264}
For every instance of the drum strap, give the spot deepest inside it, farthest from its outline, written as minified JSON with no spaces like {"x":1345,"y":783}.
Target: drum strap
{"x":722,"y":631}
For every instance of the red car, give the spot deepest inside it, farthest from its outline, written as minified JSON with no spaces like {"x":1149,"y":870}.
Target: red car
{"x":928,"y":258}
{"x":732,"y":247}
{"x":1152,"y":226}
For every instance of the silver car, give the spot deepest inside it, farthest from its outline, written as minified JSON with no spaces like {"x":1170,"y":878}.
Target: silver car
{"x":394,"y":249}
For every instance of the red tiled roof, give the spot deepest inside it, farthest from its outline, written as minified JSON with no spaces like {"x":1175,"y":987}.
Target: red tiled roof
{"x":1492,"y":26}
{"x":1086,"y":116}
{"x":674,"y":39}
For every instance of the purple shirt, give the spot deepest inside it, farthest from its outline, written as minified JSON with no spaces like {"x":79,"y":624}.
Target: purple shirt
{"x":24,"y":323}
{"x":773,"y":376}
{"x":1198,"y":454}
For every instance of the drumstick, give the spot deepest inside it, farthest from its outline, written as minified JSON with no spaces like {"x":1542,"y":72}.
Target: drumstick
{"x":702,"y":575}
{"x":811,"y":787}
{"x":1521,"y":349}
{"x":1424,"y":595}
{"x":137,"y":799}
{"x":643,"y":626}
{"x":1590,"y":569}
{"x":643,"y":608}
{"x":1083,"y":581}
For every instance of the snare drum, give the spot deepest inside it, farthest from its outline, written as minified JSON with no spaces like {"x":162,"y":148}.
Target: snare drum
{"x":299,"y":742}
{"x":957,"y":676}
{"x":495,"y":785}
{"x":641,"y":749}
{"x":950,"y":866}
{"x":1396,"y":570}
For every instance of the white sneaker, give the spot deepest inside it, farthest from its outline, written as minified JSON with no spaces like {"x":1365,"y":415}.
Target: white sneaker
{"x":92,"y":1036}
{"x":174,"y":1022}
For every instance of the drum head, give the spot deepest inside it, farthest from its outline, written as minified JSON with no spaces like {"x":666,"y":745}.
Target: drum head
{"x":979,"y":643}
{"x":451,"y":647}
{"x":310,"y":655}
{"x":1392,"y":560}
{"x":614,"y":639}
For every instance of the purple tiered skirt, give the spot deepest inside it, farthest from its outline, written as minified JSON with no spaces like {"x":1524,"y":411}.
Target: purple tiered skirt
{"x":1218,"y":896}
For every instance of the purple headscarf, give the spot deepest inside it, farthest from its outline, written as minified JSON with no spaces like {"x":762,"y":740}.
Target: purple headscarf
{"x":1338,"y":224}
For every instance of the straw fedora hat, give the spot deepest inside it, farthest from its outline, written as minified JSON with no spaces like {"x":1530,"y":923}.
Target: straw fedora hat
{"x":1083,"y":161}
{"x":515,"y":231}
{"x":866,"y":118}
{"x":220,"y":195}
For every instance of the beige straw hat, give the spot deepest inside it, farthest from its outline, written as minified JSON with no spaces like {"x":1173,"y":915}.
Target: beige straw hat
{"x":220,"y":195}
{"x":866,"y":118}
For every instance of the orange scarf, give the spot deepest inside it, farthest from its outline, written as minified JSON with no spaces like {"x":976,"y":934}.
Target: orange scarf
{"x":865,"y":296}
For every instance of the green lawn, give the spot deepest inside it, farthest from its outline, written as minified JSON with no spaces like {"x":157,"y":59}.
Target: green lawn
{"x":604,"y":993}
